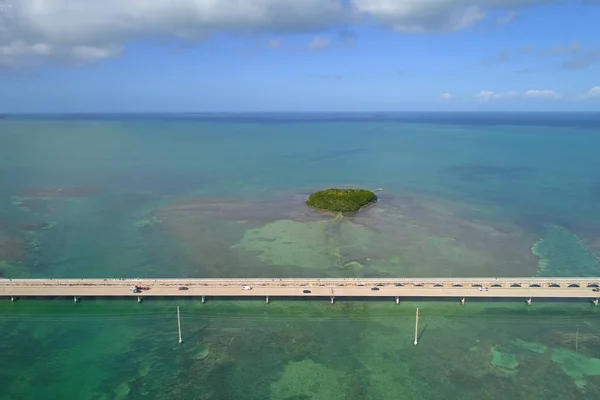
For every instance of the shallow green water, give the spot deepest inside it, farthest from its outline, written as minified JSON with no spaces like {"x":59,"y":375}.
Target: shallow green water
{"x":298,"y":349}
{"x":193,"y":197}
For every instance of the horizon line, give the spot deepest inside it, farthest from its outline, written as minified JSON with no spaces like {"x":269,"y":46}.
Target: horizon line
{"x":3,"y":114}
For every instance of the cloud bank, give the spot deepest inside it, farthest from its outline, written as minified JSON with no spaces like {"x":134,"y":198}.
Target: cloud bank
{"x":594,"y":92}
{"x":543,"y":94}
{"x":533,"y":94}
{"x":488,"y":95}
{"x":84,"y":31}
{"x":447,"y":96}
{"x":87,"y":30}
{"x":424,"y":16}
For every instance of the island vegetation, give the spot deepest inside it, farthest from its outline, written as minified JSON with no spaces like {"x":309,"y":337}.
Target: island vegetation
{"x":341,"y":200}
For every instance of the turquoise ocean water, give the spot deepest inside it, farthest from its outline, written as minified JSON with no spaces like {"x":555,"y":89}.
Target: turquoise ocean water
{"x":223,"y":196}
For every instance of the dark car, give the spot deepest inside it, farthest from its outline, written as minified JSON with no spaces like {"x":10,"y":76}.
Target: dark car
{"x":374,"y":288}
{"x":183,"y":288}
{"x":306,"y":291}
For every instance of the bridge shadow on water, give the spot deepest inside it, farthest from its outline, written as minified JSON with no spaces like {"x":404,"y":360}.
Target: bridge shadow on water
{"x":320,"y":299}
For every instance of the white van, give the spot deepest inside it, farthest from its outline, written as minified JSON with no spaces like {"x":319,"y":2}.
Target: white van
{"x":246,"y":287}
{"x":483,"y":289}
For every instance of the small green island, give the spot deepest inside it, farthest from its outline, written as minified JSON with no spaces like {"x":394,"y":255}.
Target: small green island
{"x":341,"y":200}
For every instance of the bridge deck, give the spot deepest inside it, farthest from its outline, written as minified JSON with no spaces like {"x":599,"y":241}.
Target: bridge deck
{"x":406,"y":287}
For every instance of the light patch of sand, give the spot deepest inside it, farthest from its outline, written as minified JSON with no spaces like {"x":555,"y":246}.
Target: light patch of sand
{"x":315,"y":244}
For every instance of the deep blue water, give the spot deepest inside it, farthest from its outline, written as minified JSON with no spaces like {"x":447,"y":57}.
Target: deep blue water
{"x":564,"y":119}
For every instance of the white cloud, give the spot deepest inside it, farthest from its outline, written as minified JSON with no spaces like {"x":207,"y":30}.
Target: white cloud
{"x":594,"y":92}
{"x":82,"y":31}
{"x":319,"y":43}
{"x":420,"y":16}
{"x":489,"y":95}
{"x":447,"y":96}
{"x":548,"y":94}
{"x":543,"y":94}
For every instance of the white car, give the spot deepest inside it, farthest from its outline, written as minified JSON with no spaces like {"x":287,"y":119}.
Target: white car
{"x":483,"y":289}
{"x":246,"y":287}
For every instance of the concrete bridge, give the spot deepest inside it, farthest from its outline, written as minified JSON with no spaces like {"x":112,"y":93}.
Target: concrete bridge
{"x":397,"y":288}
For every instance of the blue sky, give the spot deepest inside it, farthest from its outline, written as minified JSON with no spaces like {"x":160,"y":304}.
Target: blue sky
{"x":301,"y":55}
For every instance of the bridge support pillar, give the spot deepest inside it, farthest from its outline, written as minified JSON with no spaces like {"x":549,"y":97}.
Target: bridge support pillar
{"x":75,"y":299}
{"x":595,"y":302}
{"x":139,"y":299}
{"x":203,"y":299}
{"x":462,"y":301}
{"x":529,"y":301}
{"x":397,"y":300}
{"x":267,"y":301}
{"x":332,"y":299}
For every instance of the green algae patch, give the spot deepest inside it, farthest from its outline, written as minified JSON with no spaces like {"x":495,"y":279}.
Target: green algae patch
{"x":510,"y":355}
{"x":341,"y":200}
{"x":528,"y":346}
{"x":563,"y":253}
{"x":576,"y":365}
{"x":504,"y":360}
